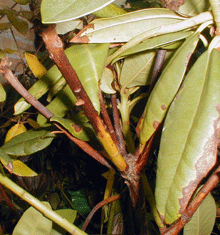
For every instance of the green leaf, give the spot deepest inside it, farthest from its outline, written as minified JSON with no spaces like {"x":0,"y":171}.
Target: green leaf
{"x":65,"y":27}
{"x":124,"y":27}
{"x":54,"y":11}
{"x":109,"y":11}
{"x":203,"y":220}
{"x":22,"y":2}
{"x":33,"y":222}
{"x":169,"y":80}
{"x":28,"y":142}
{"x":76,"y":130}
{"x":20,"y":25}
{"x":60,"y":105}
{"x":157,"y":42}
{"x":106,"y":81}
{"x":69,"y":215}
{"x":88,"y":60}
{"x":136,"y":69}
{"x":188,"y":148}
{"x":2,"y":93}
{"x":80,"y":201}
{"x":6,"y":160}
{"x":5,"y":26}
{"x":194,"y":7}
{"x":51,"y":77}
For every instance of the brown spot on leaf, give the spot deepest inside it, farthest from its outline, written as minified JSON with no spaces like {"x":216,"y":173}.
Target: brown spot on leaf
{"x":156,"y":124}
{"x":82,"y":39}
{"x":204,"y":164}
{"x":173,"y":4}
{"x":163,"y":107}
{"x":76,"y":127}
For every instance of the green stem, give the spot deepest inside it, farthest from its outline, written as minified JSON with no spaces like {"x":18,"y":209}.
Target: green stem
{"x":185,"y":24}
{"x":125,"y":116}
{"x":50,"y":214}
{"x":215,"y":4}
{"x":150,"y":197}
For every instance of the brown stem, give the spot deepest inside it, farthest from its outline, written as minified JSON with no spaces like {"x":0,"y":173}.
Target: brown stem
{"x":143,"y":157}
{"x":85,"y":147}
{"x":56,"y":52}
{"x":117,"y":124}
{"x":11,"y":78}
{"x":158,"y":66}
{"x":106,"y":118}
{"x":98,"y":206}
{"x":55,"y":48}
{"x":193,"y":206}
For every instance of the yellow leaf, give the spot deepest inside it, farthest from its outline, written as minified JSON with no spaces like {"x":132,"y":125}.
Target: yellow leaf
{"x":36,"y":67}
{"x":14,"y":131}
{"x":20,"y":169}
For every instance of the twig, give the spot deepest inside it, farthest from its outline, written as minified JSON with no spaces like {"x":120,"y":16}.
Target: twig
{"x":106,"y":117}
{"x":12,"y":79}
{"x":98,"y":206}
{"x":86,"y":147}
{"x":158,"y":65}
{"x":117,"y":124}
{"x":216,"y":13}
{"x":193,"y":206}
{"x":6,"y":198}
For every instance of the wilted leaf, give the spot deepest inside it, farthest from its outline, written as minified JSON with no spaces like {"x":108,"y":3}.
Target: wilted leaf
{"x":28,"y":142}
{"x":2,"y":93}
{"x":188,"y":149}
{"x":76,"y":130}
{"x":203,"y":220}
{"x":169,"y":80}
{"x":124,"y":27}
{"x":109,"y":11}
{"x":88,"y":60}
{"x":33,"y":222}
{"x":69,"y":215}
{"x":54,"y":11}
{"x":17,"y":129}
{"x":36,"y":67}
{"x":194,"y":7}
{"x":39,"y":88}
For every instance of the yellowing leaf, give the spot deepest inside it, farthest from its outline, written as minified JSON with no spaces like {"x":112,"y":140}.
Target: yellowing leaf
{"x":14,"y":131}
{"x":20,"y":169}
{"x":36,"y":67}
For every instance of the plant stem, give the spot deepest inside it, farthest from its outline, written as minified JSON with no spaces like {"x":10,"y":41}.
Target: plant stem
{"x":50,"y":214}
{"x":215,"y":4}
{"x":125,"y":116}
{"x":185,"y":24}
{"x":55,"y":48}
